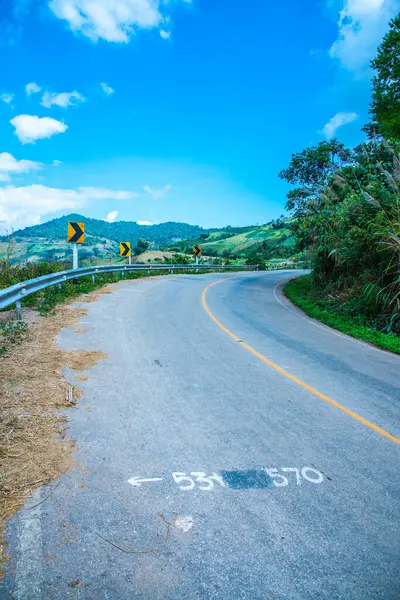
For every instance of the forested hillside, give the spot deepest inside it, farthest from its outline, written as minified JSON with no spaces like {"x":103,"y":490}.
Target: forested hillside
{"x":47,"y":241}
{"x":346,"y":204}
{"x":118,"y":231}
{"x":274,"y":240}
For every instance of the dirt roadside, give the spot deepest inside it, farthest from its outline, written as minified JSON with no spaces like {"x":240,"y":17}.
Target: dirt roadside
{"x":33,"y":397}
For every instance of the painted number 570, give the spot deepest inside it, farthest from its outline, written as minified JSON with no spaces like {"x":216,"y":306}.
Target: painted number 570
{"x":307,"y":473}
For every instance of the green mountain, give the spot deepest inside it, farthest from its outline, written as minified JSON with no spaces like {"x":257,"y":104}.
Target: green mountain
{"x":120,"y":231}
{"x":252,"y":240}
{"x":47,"y":241}
{"x":265,"y":242}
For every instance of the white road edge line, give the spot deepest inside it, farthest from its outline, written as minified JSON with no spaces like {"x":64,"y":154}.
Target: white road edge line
{"x":325,"y":327}
{"x":309,"y":319}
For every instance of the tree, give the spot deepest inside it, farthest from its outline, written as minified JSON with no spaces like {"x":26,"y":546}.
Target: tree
{"x":347,"y":207}
{"x":141,"y":246}
{"x":313,"y":169}
{"x":314,"y":165}
{"x":385,"y":105}
{"x":278,"y":224}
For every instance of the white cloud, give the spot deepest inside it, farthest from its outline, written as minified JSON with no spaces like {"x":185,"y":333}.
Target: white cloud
{"x":64,"y":99}
{"x":166,"y":35}
{"x":30,"y":128}
{"x":146,"y":223}
{"x":7,"y":98}
{"x":362,"y":24}
{"x":56,"y":163}
{"x":112,"y":20}
{"x":111,"y":216}
{"x":337,"y":121}
{"x":104,"y":194}
{"x":108,"y":90}
{"x":10,"y":165}
{"x":23,"y":206}
{"x":26,"y":205}
{"x":32,"y":88}
{"x":158,"y":193}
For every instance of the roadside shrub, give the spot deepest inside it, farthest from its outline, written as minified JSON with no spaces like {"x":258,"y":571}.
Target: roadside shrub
{"x":11,"y":332}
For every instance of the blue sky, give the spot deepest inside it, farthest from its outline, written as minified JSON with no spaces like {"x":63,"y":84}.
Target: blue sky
{"x":157,"y":110}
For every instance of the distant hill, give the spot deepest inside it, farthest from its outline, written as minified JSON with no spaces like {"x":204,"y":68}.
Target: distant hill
{"x":273,"y":240}
{"x":275,"y":234}
{"x":125,"y":231}
{"x":47,"y":241}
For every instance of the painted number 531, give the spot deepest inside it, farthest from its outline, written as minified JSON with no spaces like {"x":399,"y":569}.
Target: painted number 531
{"x":197,"y":479}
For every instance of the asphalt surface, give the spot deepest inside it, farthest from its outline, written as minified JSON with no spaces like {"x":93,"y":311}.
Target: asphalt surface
{"x":195,"y":406}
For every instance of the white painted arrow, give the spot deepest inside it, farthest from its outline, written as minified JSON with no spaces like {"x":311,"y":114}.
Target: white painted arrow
{"x":136,"y":482}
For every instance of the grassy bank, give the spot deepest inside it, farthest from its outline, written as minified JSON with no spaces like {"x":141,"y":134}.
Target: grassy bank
{"x":301,"y":292}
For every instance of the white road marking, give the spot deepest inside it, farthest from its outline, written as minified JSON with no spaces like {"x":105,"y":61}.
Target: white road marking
{"x":309,"y":319}
{"x":136,"y":482}
{"x":319,"y":475}
{"x":312,"y":321}
{"x":203,"y":481}
{"x":231,"y":479}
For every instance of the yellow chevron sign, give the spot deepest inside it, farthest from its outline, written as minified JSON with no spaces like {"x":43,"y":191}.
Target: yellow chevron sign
{"x":76,"y":232}
{"x":197,"y":250}
{"x":125,"y":249}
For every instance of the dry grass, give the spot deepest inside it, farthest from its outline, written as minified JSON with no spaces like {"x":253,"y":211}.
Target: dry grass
{"x":33,"y":448}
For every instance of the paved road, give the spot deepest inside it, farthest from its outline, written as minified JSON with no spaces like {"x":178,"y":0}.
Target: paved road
{"x":203,"y":407}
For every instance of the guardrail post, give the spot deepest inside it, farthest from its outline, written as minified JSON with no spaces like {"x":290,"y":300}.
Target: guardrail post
{"x":59,"y":287}
{"x":172,"y":271}
{"x":18,"y":310}
{"x":93,"y":279}
{"x":122,"y":275}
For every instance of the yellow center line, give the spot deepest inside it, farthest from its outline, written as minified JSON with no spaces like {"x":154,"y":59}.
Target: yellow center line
{"x":292,"y":377}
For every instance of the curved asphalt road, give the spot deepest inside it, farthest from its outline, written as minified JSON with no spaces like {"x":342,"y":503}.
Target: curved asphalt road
{"x":197,"y":406}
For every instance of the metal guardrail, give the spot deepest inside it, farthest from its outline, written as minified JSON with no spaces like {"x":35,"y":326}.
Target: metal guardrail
{"x":16,"y":293}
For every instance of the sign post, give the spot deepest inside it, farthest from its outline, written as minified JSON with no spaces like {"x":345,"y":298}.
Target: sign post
{"x":76,"y":235}
{"x":75,"y":256}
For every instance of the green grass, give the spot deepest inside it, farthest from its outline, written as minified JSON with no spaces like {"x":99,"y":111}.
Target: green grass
{"x":240,"y":241}
{"x":302,"y":293}
{"x":11,"y":332}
